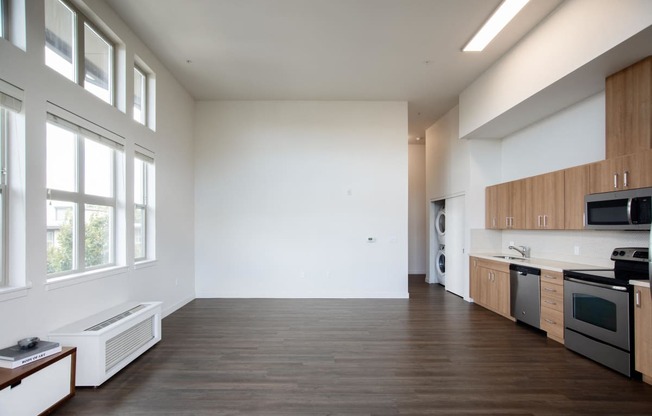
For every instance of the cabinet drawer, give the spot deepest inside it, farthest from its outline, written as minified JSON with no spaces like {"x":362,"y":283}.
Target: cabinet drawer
{"x":552,"y":291}
{"x":551,"y":302}
{"x":550,"y":277}
{"x":552,"y":321}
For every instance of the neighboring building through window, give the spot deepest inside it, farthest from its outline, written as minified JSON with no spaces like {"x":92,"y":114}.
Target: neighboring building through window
{"x":62,"y":40}
{"x":82,"y":193}
{"x":143,"y":207}
{"x":140,"y":96}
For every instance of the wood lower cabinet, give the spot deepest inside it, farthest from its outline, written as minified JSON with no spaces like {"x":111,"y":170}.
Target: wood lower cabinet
{"x":643,"y":332}
{"x":552,"y":304}
{"x":490,"y":285}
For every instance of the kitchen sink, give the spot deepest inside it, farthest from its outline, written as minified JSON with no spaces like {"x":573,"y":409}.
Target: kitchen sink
{"x":509,"y":258}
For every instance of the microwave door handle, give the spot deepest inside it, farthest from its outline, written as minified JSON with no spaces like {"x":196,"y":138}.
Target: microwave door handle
{"x":602,"y":285}
{"x":629,"y":210}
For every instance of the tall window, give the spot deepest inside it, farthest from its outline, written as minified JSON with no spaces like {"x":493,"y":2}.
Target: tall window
{"x":143,"y":207}
{"x":140,"y":96}
{"x":8,"y":106}
{"x":67,"y":31}
{"x":3,"y":18}
{"x":81,"y":207}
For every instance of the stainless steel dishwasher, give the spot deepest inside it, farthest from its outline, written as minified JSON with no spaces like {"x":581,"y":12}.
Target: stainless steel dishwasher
{"x":525,"y":294}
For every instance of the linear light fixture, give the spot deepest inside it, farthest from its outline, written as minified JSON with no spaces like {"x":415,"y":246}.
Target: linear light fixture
{"x":498,"y":20}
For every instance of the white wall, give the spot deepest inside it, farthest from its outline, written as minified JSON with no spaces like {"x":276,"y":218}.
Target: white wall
{"x":169,"y":279}
{"x":417,"y":224}
{"x":576,"y":33}
{"x":287,"y":194}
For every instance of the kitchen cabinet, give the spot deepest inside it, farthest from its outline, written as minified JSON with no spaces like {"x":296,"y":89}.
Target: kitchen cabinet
{"x":628,"y":103}
{"x":490,"y":285}
{"x":621,"y":173}
{"x":643,"y":332}
{"x":552,"y":304}
{"x":38,"y":388}
{"x":576,"y":186}
{"x":545,"y":201}
{"x":505,"y":206}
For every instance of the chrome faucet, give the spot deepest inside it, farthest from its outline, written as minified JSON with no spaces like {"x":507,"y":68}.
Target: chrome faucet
{"x":525,"y":251}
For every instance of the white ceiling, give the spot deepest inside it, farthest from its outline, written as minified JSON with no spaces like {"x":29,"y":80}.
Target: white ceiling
{"x":406,"y":50}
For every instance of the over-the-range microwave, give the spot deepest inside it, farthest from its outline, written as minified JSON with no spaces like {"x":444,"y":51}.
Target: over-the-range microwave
{"x":619,"y":210}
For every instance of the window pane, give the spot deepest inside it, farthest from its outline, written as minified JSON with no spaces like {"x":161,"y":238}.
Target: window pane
{"x":61,"y":159}
{"x":139,"y":96}
{"x":60,"y":38}
{"x":139,"y":181}
{"x":98,"y":62}
{"x":60,"y":236}
{"x":2,"y":18}
{"x":139,"y":233}
{"x":98,"y":238}
{"x":98,"y":169}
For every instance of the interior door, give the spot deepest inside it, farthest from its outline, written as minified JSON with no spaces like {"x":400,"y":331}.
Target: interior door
{"x":456,"y":279}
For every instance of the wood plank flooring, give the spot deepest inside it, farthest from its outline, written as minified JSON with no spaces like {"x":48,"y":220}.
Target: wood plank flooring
{"x":433,"y":354}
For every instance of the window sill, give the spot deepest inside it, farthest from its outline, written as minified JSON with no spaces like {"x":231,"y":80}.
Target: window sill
{"x":145,"y":263}
{"x":8,"y":293}
{"x":74,"y":279}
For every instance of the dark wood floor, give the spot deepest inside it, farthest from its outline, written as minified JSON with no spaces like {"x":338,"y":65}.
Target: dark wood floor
{"x":432,"y":354}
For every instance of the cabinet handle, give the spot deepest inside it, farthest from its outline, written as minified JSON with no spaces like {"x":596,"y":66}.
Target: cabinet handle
{"x":539,"y":221}
{"x":547,"y":289}
{"x":549,"y":302}
{"x":493,"y":222}
{"x":615,"y":180}
{"x":545,"y":221}
{"x":625,"y":175}
{"x":550,"y":321}
{"x":547,"y":276}
{"x":638,"y":298}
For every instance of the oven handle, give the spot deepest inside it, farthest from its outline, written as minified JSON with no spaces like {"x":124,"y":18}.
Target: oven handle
{"x":619,"y":288}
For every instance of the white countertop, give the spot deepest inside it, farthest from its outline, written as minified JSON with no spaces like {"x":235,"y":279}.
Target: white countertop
{"x":642,"y":283}
{"x":554,"y":265}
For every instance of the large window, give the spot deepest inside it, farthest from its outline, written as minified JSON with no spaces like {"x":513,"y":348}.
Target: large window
{"x":82,"y":168}
{"x":143,"y":207}
{"x":78,"y":50}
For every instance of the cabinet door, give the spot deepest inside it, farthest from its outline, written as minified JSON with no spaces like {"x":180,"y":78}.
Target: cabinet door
{"x":628,"y":96}
{"x":636,"y":170}
{"x":576,"y":186}
{"x":545,"y":201}
{"x":491,"y":208}
{"x":517,"y":204}
{"x":603,"y":176}
{"x":499,"y":292}
{"x":643,"y":331}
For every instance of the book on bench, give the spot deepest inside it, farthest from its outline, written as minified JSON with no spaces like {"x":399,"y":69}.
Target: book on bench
{"x":14,"y":356}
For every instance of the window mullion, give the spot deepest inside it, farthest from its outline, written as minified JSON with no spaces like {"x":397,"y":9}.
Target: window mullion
{"x":80,"y":57}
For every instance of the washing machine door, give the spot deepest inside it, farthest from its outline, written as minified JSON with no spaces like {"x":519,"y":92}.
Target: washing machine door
{"x":440,"y":223}
{"x":441,"y":267}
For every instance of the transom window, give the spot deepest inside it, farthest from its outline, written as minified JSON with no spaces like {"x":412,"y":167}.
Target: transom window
{"x":140,"y":96}
{"x":82,"y":168}
{"x":75,"y":47}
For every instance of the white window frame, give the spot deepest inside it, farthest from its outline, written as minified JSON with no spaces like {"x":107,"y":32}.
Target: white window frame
{"x":4,"y":147}
{"x":148,"y":206}
{"x":80,"y":198}
{"x":79,"y":61}
{"x":144,"y":107}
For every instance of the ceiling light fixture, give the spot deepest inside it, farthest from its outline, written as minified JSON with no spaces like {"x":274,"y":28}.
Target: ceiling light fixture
{"x":498,"y":20}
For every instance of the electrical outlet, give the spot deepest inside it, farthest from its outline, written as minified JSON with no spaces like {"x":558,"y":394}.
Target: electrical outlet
{"x":576,"y":250}
{"x":511,"y":243}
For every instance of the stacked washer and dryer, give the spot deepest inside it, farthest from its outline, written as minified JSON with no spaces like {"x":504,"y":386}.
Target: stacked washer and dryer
{"x":440,"y":242}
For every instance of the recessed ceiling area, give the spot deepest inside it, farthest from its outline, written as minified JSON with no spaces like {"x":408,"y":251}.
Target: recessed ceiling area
{"x":370,"y":50}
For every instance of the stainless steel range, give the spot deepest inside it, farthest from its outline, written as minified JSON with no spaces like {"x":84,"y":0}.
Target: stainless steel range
{"x":598,"y":312}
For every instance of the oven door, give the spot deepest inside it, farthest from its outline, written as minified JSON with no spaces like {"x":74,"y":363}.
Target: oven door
{"x":598,"y":311}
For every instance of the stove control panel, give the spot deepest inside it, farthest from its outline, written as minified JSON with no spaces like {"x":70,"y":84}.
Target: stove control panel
{"x":631,"y":254}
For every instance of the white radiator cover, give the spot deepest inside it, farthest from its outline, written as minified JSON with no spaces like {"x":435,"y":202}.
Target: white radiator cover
{"x":108,"y":341}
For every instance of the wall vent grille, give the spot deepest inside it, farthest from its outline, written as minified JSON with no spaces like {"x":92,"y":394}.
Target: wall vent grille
{"x":116,"y":318}
{"x":128,"y":341}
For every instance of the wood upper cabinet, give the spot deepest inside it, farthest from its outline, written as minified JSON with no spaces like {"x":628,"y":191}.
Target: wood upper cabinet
{"x":628,"y":101}
{"x":576,"y":186}
{"x":643,"y":332}
{"x":490,"y":284}
{"x":504,"y":207}
{"x":621,"y":173}
{"x":545,"y":201}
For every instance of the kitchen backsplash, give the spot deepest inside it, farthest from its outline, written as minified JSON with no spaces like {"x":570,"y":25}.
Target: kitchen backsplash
{"x":593,"y":247}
